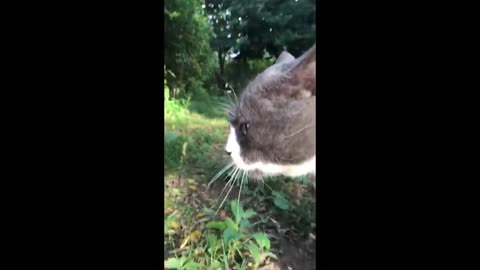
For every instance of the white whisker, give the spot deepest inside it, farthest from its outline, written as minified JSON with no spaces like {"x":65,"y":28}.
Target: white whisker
{"x":296,"y":132}
{"x":273,"y":191}
{"x":220,"y":173}
{"x":233,"y":90}
{"x":240,"y":191}
{"x":226,"y":196}
{"x":235,"y":170}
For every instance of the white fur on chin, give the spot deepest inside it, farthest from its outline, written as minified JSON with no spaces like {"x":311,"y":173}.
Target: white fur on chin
{"x":307,"y":167}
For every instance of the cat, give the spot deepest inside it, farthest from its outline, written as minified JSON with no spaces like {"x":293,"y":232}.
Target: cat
{"x":272,"y":125}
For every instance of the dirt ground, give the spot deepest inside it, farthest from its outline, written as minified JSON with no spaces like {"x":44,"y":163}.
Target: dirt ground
{"x":294,"y":246}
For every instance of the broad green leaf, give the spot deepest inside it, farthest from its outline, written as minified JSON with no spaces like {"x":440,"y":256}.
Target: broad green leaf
{"x":218,"y":225}
{"x":249,"y":213}
{"x":231,"y":225}
{"x":262,"y":240}
{"x":191,"y":265}
{"x":280,"y":202}
{"x":255,"y":251}
{"x":244,"y":224}
{"x":229,"y":235}
{"x":173,"y":263}
{"x":237,"y":211}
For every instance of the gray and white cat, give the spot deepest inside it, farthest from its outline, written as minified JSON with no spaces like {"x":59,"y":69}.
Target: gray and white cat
{"x":272,"y":127}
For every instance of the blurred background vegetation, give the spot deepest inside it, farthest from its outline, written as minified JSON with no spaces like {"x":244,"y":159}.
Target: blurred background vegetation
{"x":213,"y":42}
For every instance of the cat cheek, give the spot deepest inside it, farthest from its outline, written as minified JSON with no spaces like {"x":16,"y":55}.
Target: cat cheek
{"x":232,"y":145}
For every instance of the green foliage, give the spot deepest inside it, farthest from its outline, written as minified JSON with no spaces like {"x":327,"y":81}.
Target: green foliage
{"x":262,"y":240}
{"x":280,"y":201}
{"x":249,"y":35}
{"x":187,"y":44}
{"x":237,"y":238}
{"x":174,"y":263}
{"x":245,"y":30}
{"x":250,"y":27}
{"x":181,"y":263}
{"x":184,"y":146}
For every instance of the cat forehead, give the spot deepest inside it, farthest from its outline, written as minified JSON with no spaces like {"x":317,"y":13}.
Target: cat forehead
{"x":276,"y":85}
{"x":258,"y":102}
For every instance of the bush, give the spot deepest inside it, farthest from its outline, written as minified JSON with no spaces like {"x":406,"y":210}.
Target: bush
{"x":187,"y":43}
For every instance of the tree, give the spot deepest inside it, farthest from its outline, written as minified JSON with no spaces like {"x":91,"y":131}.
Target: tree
{"x":253,"y":27}
{"x":220,"y":18}
{"x":187,"y":43}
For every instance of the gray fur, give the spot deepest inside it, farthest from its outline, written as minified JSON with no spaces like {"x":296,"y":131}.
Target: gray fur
{"x":279,"y":108}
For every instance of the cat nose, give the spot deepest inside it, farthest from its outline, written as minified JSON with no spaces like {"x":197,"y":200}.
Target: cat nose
{"x":228,"y":153}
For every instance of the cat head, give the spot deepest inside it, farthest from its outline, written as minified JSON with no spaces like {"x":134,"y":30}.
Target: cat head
{"x":272,"y":127}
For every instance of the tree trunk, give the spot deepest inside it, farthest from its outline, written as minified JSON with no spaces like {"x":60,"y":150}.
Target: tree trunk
{"x":221,"y":63}
{"x":221,"y":60}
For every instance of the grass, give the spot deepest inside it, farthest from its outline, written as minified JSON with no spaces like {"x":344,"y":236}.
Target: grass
{"x":247,"y":232}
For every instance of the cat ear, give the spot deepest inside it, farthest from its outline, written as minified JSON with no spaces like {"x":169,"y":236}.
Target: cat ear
{"x":303,"y":73}
{"x":284,"y":58}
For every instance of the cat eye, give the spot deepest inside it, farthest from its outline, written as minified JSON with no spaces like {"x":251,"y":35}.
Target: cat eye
{"x":244,"y":128}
